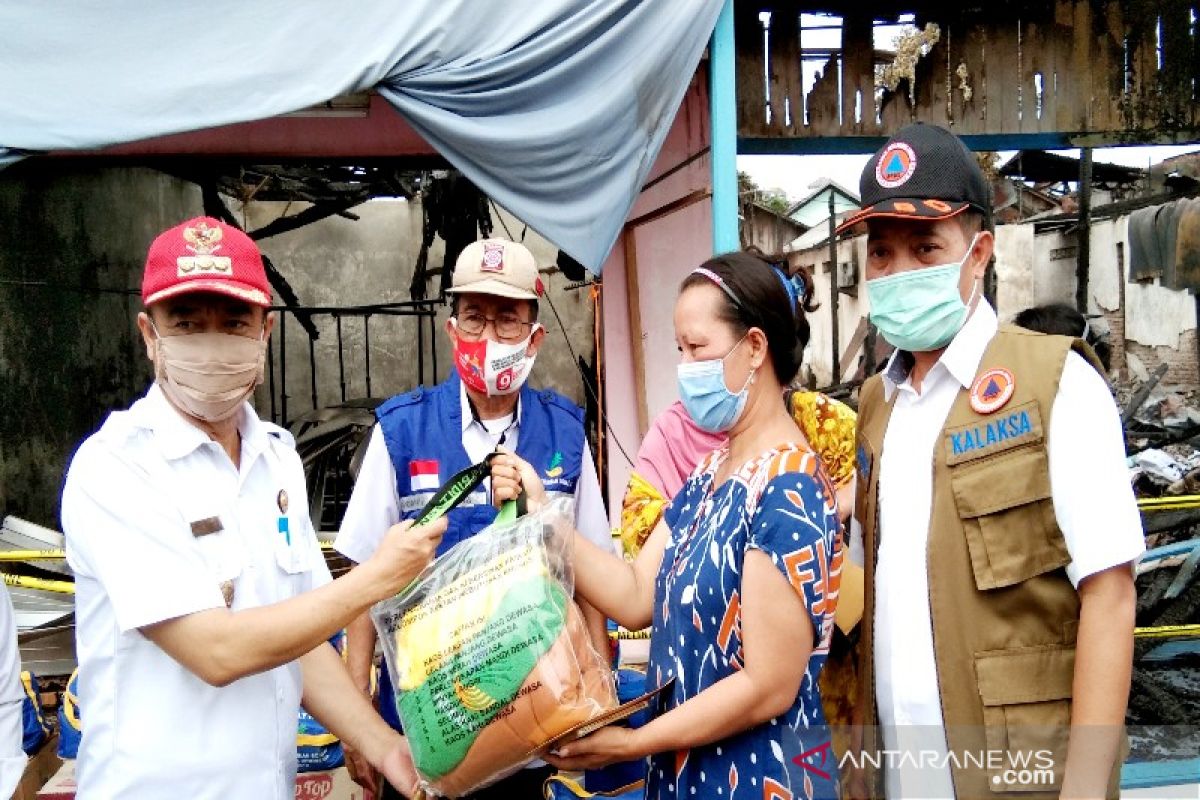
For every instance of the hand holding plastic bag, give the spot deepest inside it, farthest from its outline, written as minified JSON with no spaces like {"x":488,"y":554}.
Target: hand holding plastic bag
{"x":490,"y":656}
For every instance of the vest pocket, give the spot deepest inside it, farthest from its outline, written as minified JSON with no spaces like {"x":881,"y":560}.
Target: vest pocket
{"x":1008,"y":517}
{"x":1026,"y":694}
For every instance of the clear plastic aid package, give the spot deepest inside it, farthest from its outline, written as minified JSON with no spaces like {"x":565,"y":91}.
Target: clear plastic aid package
{"x":489,"y":655}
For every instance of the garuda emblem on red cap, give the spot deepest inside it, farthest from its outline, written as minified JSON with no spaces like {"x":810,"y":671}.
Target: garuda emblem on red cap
{"x":203,"y":241}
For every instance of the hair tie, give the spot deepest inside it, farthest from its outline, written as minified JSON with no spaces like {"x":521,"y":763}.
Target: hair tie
{"x":788,"y":287}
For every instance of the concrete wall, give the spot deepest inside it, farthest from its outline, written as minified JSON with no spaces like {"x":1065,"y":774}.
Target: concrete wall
{"x":1016,"y":287}
{"x":1156,"y":324}
{"x":852,"y":308}
{"x":73,"y":240}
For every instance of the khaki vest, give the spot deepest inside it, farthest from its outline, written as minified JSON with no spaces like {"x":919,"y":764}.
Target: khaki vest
{"x":1004,"y":612}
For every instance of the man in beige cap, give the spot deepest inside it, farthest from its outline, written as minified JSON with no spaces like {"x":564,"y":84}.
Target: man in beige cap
{"x":427,"y":435}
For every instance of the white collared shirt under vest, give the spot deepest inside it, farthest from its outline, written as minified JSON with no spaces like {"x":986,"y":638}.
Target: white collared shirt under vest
{"x":1093,"y":504}
{"x":160,"y":524}
{"x":374,"y":506}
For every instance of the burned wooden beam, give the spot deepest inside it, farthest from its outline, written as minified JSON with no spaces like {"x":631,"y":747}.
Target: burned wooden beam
{"x":308,"y":216}
{"x":215,"y":207}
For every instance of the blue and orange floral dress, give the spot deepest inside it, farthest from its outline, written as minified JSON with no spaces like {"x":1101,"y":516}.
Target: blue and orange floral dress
{"x":783,"y":505}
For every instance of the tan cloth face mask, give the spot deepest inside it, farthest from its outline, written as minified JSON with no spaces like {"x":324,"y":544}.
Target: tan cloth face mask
{"x":209,"y":375}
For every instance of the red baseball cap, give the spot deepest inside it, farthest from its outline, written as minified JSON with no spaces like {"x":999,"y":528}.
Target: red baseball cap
{"x":205,"y":255}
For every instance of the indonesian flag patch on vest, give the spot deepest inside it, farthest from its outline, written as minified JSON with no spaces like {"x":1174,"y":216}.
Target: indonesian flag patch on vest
{"x":423,"y":476}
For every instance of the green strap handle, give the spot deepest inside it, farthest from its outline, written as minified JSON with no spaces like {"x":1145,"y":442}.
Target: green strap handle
{"x":456,"y":490}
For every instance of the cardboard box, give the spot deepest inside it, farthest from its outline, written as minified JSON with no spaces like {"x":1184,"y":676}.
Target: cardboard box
{"x":330,"y":785}
{"x":41,"y":766}
{"x":62,"y":785}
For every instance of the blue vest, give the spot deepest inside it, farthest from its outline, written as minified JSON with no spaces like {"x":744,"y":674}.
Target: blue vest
{"x":423,"y":433}
{"x":424,"y":427}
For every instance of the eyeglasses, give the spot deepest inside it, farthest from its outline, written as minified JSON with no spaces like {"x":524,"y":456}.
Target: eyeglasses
{"x":507,"y":326}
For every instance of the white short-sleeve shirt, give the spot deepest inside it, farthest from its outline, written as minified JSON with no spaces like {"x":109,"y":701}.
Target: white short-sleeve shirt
{"x":1093,"y":503}
{"x":12,"y":698}
{"x":159,"y":523}
{"x":374,"y":506}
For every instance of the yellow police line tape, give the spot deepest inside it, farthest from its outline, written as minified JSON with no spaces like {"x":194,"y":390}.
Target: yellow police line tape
{"x":62,"y":587}
{"x":28,"y":582}
{"x":1164,"y":631}
{"x":52,"y":555}
{"x":1177,"y":503}
{"x":32,"y":555}
{"x":66,"y":587}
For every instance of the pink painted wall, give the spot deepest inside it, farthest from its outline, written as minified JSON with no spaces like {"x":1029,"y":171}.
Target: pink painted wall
{"x":667,"y":249}
{"x":382,"y":132}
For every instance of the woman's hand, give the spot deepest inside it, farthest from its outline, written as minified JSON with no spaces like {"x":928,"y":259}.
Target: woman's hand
{"x":397,"y":766}
{"x":511,"y":474}
{"x":606,"y":746}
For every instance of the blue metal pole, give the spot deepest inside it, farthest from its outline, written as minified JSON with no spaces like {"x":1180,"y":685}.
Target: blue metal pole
{"x":723,"y":101}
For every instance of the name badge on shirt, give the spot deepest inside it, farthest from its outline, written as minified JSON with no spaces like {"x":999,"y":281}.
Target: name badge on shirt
{"x":206,"y":526}
{"x":1021,"y":425}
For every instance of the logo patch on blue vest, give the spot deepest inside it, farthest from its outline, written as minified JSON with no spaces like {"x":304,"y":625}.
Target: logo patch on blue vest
{"x":555,"y":469}
{"x":990,"y":434}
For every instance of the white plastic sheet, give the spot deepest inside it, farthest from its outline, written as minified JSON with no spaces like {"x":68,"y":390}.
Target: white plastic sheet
{"x":489,"y":654}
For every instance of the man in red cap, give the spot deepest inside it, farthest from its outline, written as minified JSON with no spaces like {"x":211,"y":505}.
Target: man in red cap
{"x":203,"y":601}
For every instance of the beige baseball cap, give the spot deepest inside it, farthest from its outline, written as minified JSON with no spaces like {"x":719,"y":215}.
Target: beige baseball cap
{"x":497,"y":267}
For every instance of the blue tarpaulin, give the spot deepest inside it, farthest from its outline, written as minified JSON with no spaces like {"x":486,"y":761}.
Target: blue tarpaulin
{"x":554,"y":108}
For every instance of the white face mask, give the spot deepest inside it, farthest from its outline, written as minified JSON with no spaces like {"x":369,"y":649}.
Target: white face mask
{"x":493,"y":368}
{"x":209,"y":375}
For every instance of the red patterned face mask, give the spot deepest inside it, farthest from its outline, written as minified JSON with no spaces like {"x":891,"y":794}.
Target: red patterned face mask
{"x":493,"y":368}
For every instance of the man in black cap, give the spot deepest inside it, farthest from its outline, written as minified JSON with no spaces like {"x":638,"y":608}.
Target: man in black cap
{"x":993,"y":514}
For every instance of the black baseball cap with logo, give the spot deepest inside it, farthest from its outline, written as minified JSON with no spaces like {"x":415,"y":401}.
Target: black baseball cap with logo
{"x":922,"y":172}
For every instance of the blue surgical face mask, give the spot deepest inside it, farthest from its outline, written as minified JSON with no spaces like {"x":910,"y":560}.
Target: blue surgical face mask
{"x":708,"y":401}
{"x":921,"y":309}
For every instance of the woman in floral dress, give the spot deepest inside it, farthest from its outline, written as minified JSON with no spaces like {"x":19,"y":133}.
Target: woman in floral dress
{"x":740,"y":578}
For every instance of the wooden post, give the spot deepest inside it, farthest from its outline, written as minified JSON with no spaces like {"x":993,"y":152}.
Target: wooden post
{"x":1196,"y":299}
{"x":869,"y":365}
{"x":833,"y":288}
{"x":367,"y":349}
{"x":633,"y":297}
{"x":1084,"y":233}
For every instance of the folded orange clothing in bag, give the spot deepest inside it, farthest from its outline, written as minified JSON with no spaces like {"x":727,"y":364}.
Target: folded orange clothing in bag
{"x":489,"y":656}
{"x":566,"y":687}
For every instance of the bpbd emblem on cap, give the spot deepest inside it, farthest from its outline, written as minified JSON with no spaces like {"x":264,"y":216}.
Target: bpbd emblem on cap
{"x":896,"y":165}
{"x":992,"y":390}
{"x":204,"y":242}
{"x":493,"y":258}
